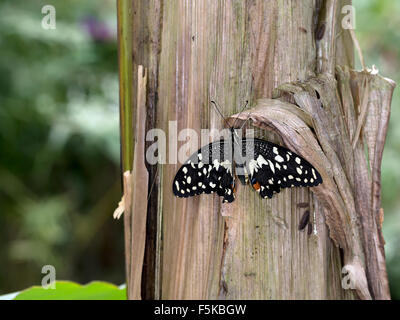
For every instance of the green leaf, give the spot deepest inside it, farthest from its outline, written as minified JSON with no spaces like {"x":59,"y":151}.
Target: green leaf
{"x":67,"y":290}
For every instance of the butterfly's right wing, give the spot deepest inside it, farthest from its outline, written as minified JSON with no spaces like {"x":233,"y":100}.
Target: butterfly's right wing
{"x":208,"y":170}
{"x":270,"y":168}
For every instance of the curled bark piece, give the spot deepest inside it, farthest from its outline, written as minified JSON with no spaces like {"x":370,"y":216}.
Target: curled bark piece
{"x":320,"y":128}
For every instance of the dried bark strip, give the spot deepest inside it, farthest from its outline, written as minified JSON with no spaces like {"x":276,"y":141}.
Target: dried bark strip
{"x":139,"y":207}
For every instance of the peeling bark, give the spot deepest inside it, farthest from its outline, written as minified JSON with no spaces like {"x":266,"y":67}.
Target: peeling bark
{"x":349,"y":194}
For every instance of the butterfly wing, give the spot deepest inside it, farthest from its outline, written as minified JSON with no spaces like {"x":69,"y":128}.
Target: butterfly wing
{"x":271,"y":168}
{"x":208,"y":170}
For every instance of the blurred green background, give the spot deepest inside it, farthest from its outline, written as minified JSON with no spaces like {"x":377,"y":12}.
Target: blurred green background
{"x":59,"y":144}
{"x":59,"y":139}
{"x":377,"y":29}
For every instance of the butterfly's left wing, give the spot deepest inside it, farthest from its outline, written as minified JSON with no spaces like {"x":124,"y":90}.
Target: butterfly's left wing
{"x":208,"y":170}
{"x":270,"y":168}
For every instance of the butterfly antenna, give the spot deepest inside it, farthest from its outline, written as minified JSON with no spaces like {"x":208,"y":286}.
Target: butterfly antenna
{"x":247,"y":102}
{"x":244,"y":123}
{"x":248,"y":118}
{"x":219,"y":112}
{"x":241,"y":127}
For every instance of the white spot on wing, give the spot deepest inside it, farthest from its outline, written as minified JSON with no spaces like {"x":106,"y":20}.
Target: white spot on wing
{"x":216,"y":164}
{"x":271,"y":165}
{"x":253,"y":166}
{"x":227,"y":165}
{"x":313,"y":172}
{"x":261,"y":160}
{"x":279,"y":158}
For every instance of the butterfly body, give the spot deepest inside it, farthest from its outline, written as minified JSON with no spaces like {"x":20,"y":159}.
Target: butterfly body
{"x":267,"y":166}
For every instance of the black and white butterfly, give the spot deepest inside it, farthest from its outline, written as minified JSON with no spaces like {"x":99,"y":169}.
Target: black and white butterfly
{"x":267,"y":166}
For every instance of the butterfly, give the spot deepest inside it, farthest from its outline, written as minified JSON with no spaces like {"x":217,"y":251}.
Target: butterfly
{"x":267,"y":166}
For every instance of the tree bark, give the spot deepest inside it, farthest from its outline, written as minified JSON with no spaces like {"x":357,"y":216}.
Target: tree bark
{"x":233,"y":51}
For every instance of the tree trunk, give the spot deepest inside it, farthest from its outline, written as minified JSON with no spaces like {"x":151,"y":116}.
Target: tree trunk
{"x":233,"y":51}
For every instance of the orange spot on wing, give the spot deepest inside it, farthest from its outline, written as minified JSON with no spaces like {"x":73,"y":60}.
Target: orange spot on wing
{"x":256,"y":186}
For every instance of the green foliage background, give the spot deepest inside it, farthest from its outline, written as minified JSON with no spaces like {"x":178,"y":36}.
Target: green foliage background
{"x":67,"y":290}
{"x":377,"y":28}
{"x":59,"y":139}
{"x":59,"y":144}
